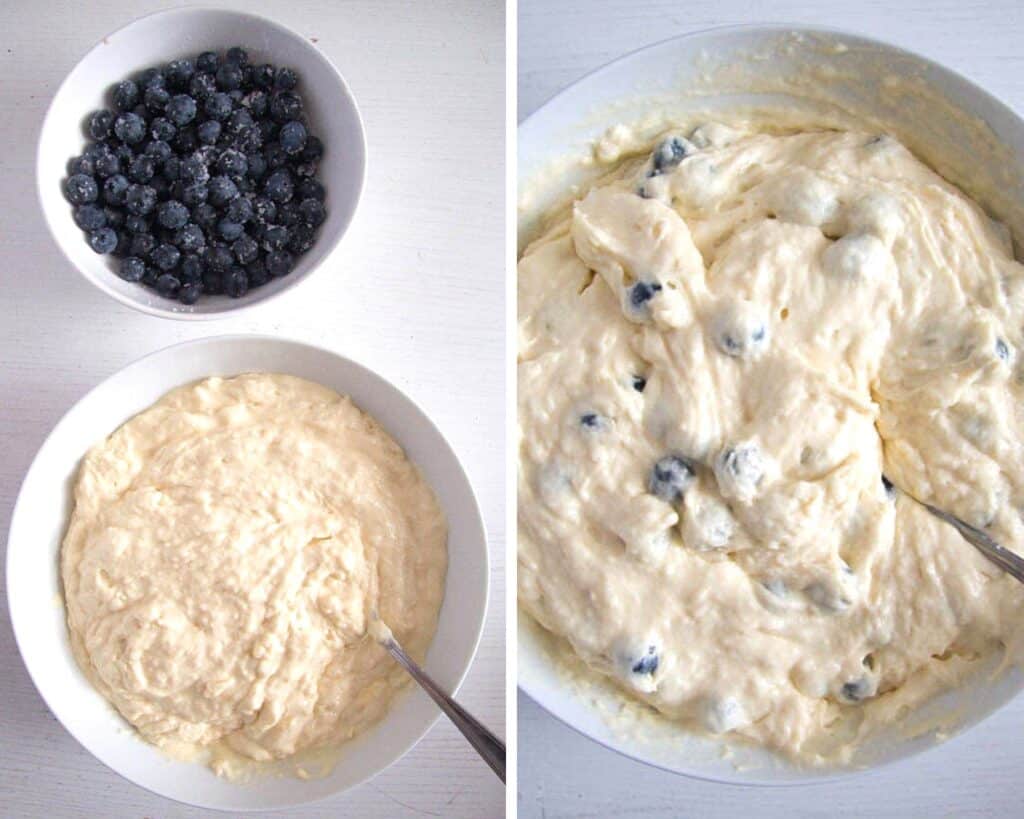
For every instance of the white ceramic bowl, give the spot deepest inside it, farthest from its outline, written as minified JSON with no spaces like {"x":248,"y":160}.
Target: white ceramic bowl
{"x":41,"y":514}
{"x":678,"y":77}
{"x":159,"y":38}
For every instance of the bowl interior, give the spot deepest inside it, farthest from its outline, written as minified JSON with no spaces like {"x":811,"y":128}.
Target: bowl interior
{"x":44,"y":505}
{"x":939,"y":114}
{"x":161,"y":37}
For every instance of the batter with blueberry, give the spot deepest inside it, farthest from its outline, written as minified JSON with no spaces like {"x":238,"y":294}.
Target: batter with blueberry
{"x":745,"y":357}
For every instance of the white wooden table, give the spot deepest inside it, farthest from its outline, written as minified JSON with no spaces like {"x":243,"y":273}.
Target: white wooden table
{"x":415,"y":293}
{"x":563,"y":775}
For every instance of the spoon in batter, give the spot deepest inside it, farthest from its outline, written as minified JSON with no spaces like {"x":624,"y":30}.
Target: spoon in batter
{"x":1005,"y":559}
{"x":486,"y":744}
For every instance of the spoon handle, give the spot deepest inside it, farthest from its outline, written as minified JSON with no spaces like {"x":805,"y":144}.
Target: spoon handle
{"x":1006,"y":560}
{"x":486,"y":744}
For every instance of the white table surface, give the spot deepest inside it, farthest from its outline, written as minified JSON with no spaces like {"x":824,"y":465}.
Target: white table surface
{"x":561,"y":774}
{"x":415,"y":292}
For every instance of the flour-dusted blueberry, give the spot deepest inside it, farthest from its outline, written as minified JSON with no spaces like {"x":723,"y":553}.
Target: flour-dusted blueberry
{"x":194,"y":169}
{"x":153,"y":78}
{"x":257,"y":165}
{"x":156,"y":98}
{"x":245,"y":249}
{"x":142,"y":169}
{"x":132,"y":269}
{"x":280,"y":263}
{"x":108,"y":163}
{"x":293,"y":137}
{"x":276,"y":237}
{"x":642,"y":292}
{"x":240,"y":121}
{"x":208,"y":62}
{"x":311,"y":189}
{"x":213,"y":282}
{"x":170,"y":168}
{"x":209,"y":132}
{"x":81,"y":189}
{"x":313,"y":212}
{"x":166,"y":256}
{"x":162,"y":128}
{"x":232,"y":163}
{"x":302,"y":239}
{"x":103,"y":240}
{"x":194,"y":193}
{"x":168,"y":285}
{"x":205,"y":215}
{"x":239,"y":210}
{"x":279,"y":185}
{"x":191,"y":268}
{"x":218,"y":257}
{"x":285,"y":106}
{"x":126,"y":95}
{"x":263,"y":76}
{"x":181,"y":109}
{"x":218,"y":106}
{"x":228,"y":230}
{"x":236,"y":282}
{"x":229,"y":77}
{"x":89,"y":217}
{"x":313,"y":151}
{"x":115,"y":216}
{"x":202,"y":86}
{"x":222,"y":190}
{"x":130,"y":128}
{"x":264,"y":210}
{"x":237,"y":55}
{"x":142,"y":245}
{"x":185,"y":141}
{"x":190,"y":238}
{"x":158,"y":149}
{"x":257,"y":102}
{"x":100,"y":124}
{"x":257,"y":273}
{"x":285,"y":79}
{"x":172,"y":214}
{"x":81,"y":164}
{"x":275,"y":156}
{"x":670,"y":477}
{"x":288,"y":214}
{"x":190,"y":293}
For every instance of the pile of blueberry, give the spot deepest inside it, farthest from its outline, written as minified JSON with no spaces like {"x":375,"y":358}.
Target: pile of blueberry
{"x":202,"y":179}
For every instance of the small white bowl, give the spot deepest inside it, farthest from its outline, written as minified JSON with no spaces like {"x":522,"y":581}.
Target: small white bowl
{"x":159,"y":38}
{"x":971,"y":137}
{"x":41,"y":515}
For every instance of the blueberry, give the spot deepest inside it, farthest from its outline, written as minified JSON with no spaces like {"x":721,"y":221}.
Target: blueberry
{"x":136,"y":224}
{"x":288,"y":214}
{"x":236,"y":96}
{"x":233,"y":163}
{"x":312,"y":212}
{"x":208,"y":132}
{"x":189,"y":293}
{"x":166,"y":256}
{"x":202,"y":87}
{"x":670,"y":478}
{"x":132,"y":269}
{"x":285,"y":106}
{"x":121,"y":244}
{"x":213,"y":282}
{"x":158,"y":149}
{"x":190,"y":238}
{"x":285,"y":79}
{"x":90,"y":217}
{"x":115,"y":216}
{"x":167,"y":285}
{"x":193,"y":169}
{"x":194,"y":194}
{"x":130,"y":128}
{"x":643,"y":292}
{"x":275,"y":156}
{"x":142,"y":169}
{"x":257,"y":273}
{"x":228,"y":230}
{"x":239,"y":210}
{"x":276,"y":238}
{"x":887,"y":486}
{"x":108,"y":164}
{"x":222,"y":190}
{"x":257,"y":165}
{"x":647,"y":663}
{"x":172,"y":214}
{"x":179,"y":72}
{"x":1002,"y":350}
{"x":103,"y":240}
{"x":639,"y":382}
{"x":240,"y":121}
{"x":141,"y":245}
{"x":292,"y":137}
{"x":670,"y":153}
{"x":245,"y":249}
{"x":263,"y":76}
{"x":238,"y":56}
{"x":313,"y":151}
{"x":162,"y":128}
{"x":153,"y":78}
{"x":208,"y":62}
{"x":156,"y":98}
{"x":279,"y":186}
{"x":218,"y":106}
{"x":742,"y":465}
{"x":181,"y":109}
{"x":81,"y":189}
{"x":311,"y":189}
{"x":204,"y":215}
{"x":82,"y":164}
{"x":218,"y":258}
{"x":256,"y":102}
{"x":306,"y":170}
{"x":303,"y":237}
{"x":171,"y":168}
{"x":100,"y":124}
{"x":160,"y":186}
{"x":264,"y":210}
{"x":185,"y":141}
{"x":229,"y":77}
{"x":279,"y":263}
{"x":858,"y":690}
{"x":236,"y":283}
{"x":126,"y":95}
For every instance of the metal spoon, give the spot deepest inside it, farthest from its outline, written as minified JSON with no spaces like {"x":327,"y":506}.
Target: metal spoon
{"x":1006,"y":560}
{"x":486,"y":744}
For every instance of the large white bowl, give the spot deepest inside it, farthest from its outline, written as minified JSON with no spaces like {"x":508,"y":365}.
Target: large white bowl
{"x":964,"y":132}
{"x":159,"y":38}
{"x":41,"y":514}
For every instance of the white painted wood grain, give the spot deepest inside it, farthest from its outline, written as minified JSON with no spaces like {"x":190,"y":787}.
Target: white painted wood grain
{"x":416,"y":293}
{"x":563,"y":775}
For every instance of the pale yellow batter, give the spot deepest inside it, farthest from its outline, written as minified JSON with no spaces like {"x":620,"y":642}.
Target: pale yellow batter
{"x":226,"y":551}
{"x":724,"y":345}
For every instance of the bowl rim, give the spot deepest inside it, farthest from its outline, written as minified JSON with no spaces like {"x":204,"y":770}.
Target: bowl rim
{"x":474,"y":514}
{"x":230,"y":309}
{"x":545,"y":699}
